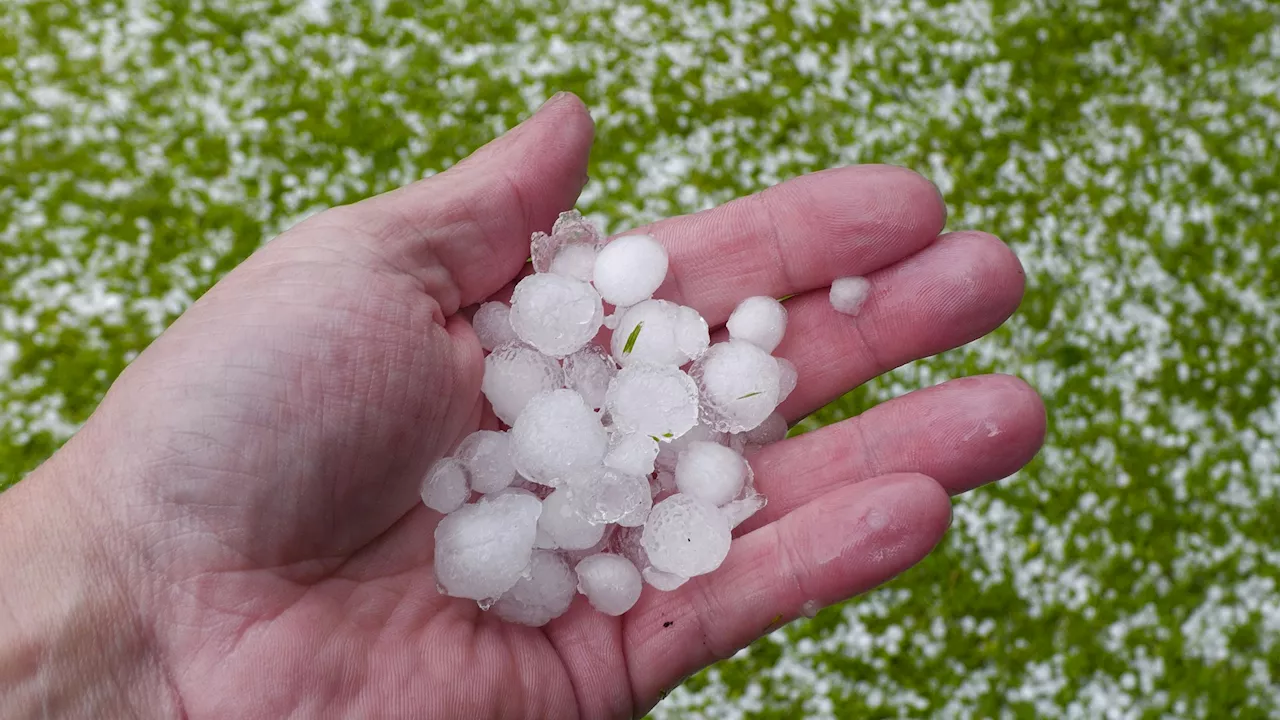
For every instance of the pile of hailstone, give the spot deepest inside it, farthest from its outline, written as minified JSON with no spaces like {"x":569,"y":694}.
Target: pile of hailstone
{"x":624,"y":461}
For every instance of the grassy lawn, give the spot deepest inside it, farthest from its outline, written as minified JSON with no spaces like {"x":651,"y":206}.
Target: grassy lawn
{"x":1127,"y":151}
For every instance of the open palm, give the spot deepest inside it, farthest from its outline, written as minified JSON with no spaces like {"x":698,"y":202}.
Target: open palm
{"x":259,"y":464}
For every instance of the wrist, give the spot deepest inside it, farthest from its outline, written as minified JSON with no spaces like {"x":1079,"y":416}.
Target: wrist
{"x":72,"y":640}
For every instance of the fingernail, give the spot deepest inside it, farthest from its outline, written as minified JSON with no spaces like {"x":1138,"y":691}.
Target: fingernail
{"x":553,"y":99}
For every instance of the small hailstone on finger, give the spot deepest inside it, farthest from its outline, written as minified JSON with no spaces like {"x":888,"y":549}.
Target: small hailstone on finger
{"x":630,"y":269}
{"x":589,"y":371}
{"x":482,"y":549}
{"x":542,"y":595}
{"x":556,"y":434}
{"x":555,"y":314}
{"x":492,"y":323}
{"x":564,"y":526}
{"x":759,"y":320}
{"x":487,"y":456}
{"x":849,"y":293}
{"x":711,"y":472}
{"x":610,"y":582}
{"x":739,"y":384}
{"x":514,"y":373}
{"x":632,"y":453}
{"x":445,"y":487}
{"x":738,"y":511}
{"x":664,"y":581}
{"x":686,"y":536}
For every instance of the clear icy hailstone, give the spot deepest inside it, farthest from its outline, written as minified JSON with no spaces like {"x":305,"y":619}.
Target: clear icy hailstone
{"x":482,"y":549}
{"x":589,"y":371}
{"x":445,"y":487}
{"x":570,"y":229}
{"x":739,"y":384}
{"x":686,"y":536}
{"x":632,"y":453}
{"x":665,"y":480}
{"x":659,"y":332}
{"x":810,"y":608}
{"x":630,"y":269}
{"x":610,"y":582}
{"x":655,"y":400}
{"x":603,"y":495}
{"x":544,"y":593}
{"x":664,"y":581}
{"x":772,"y":430}
{"x":555,"y":314}
{"x":513,"y":374}
{"x":711,"y":472}
{"x":492,"y":323}
{"x":670,"y":451}
{"x":626,"y":542}
{"x":575,"y":261}
{"x":487,"y":456}
{"x":737,"y":512}
{"x":759,"y":320}
{"x":788,"y":375}
{"x":849,"y":293}
{"x":564,"y":526}
{"x":556,"y":434}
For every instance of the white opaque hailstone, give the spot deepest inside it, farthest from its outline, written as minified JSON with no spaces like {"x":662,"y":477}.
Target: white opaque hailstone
{"x":540,"y":596}
{"x":573,"y":557}
{"x":604,"y":495}
{"x":575,"y":261}
{"x":610,"y":582}
{"x":445,"y":488}
{"x":759,"y":320}
{"x":655,"y":400}
{"x":555,"y":435}
{"x":555,"y":314}
{"x":686,"y":536}
{"x":630,"y":269}
{"x":849,"y":293}
{"x":487,"y":457}
{"x":570,"y":230}
{"x":588,"y":371}
{"x":564,"y":526}
{"x":670,"y":451}
{"x":492,"y":323}
{"x":737,"y":512}
{"x":739,"y":384}
{"x":482,"y":549}
{"x":513,"y":374}
{"x":788,"y":376}
{"x":659,"y":332}
{"x":632,"y":453}
{"x":542,"y":540}
{"x":772,"y":430}
{"x":711,"y":472}
{"x":664,"y":581}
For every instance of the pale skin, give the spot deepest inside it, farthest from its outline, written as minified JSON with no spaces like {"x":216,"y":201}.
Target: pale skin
{"x":236,"y":531}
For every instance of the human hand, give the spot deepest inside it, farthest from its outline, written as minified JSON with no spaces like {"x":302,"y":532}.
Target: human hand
{"x":236,"y":532}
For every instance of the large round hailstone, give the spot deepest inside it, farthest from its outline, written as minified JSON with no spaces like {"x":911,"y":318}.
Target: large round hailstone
{"x":487,"y":456}
{"x":655,"y":400}
{"x":604,"y":495}
{"x":630,"y":269}
{"x":659,"y":332}
{"x":759,"y":320}
{"x":445,"y":487}
{"x":513,"y":374}
{"x":849,"y":293}
{"x":492,"y":323}
{"x":564,"y":526}
{"x":555,"y":314}
{"x":686,"y":536}
{"x":589,"y":371}
{"x":632,"y":453}
{"x":555,"y":435}
{"x":669,"y":452}
{"x":739,"y":384}
{"x":610,"y":582}
{"x":711,"y":472}
{"x":542,"y":595}
{"x":484,"y":548}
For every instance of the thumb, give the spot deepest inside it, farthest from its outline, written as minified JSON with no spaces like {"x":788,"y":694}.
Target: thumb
{"x":464,"y":233}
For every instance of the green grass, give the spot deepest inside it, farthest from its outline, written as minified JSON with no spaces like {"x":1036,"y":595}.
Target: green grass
{"x":1126,"y":151}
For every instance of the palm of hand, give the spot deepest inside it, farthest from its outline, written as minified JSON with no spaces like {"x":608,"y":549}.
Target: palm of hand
{"x":282,"y":560}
